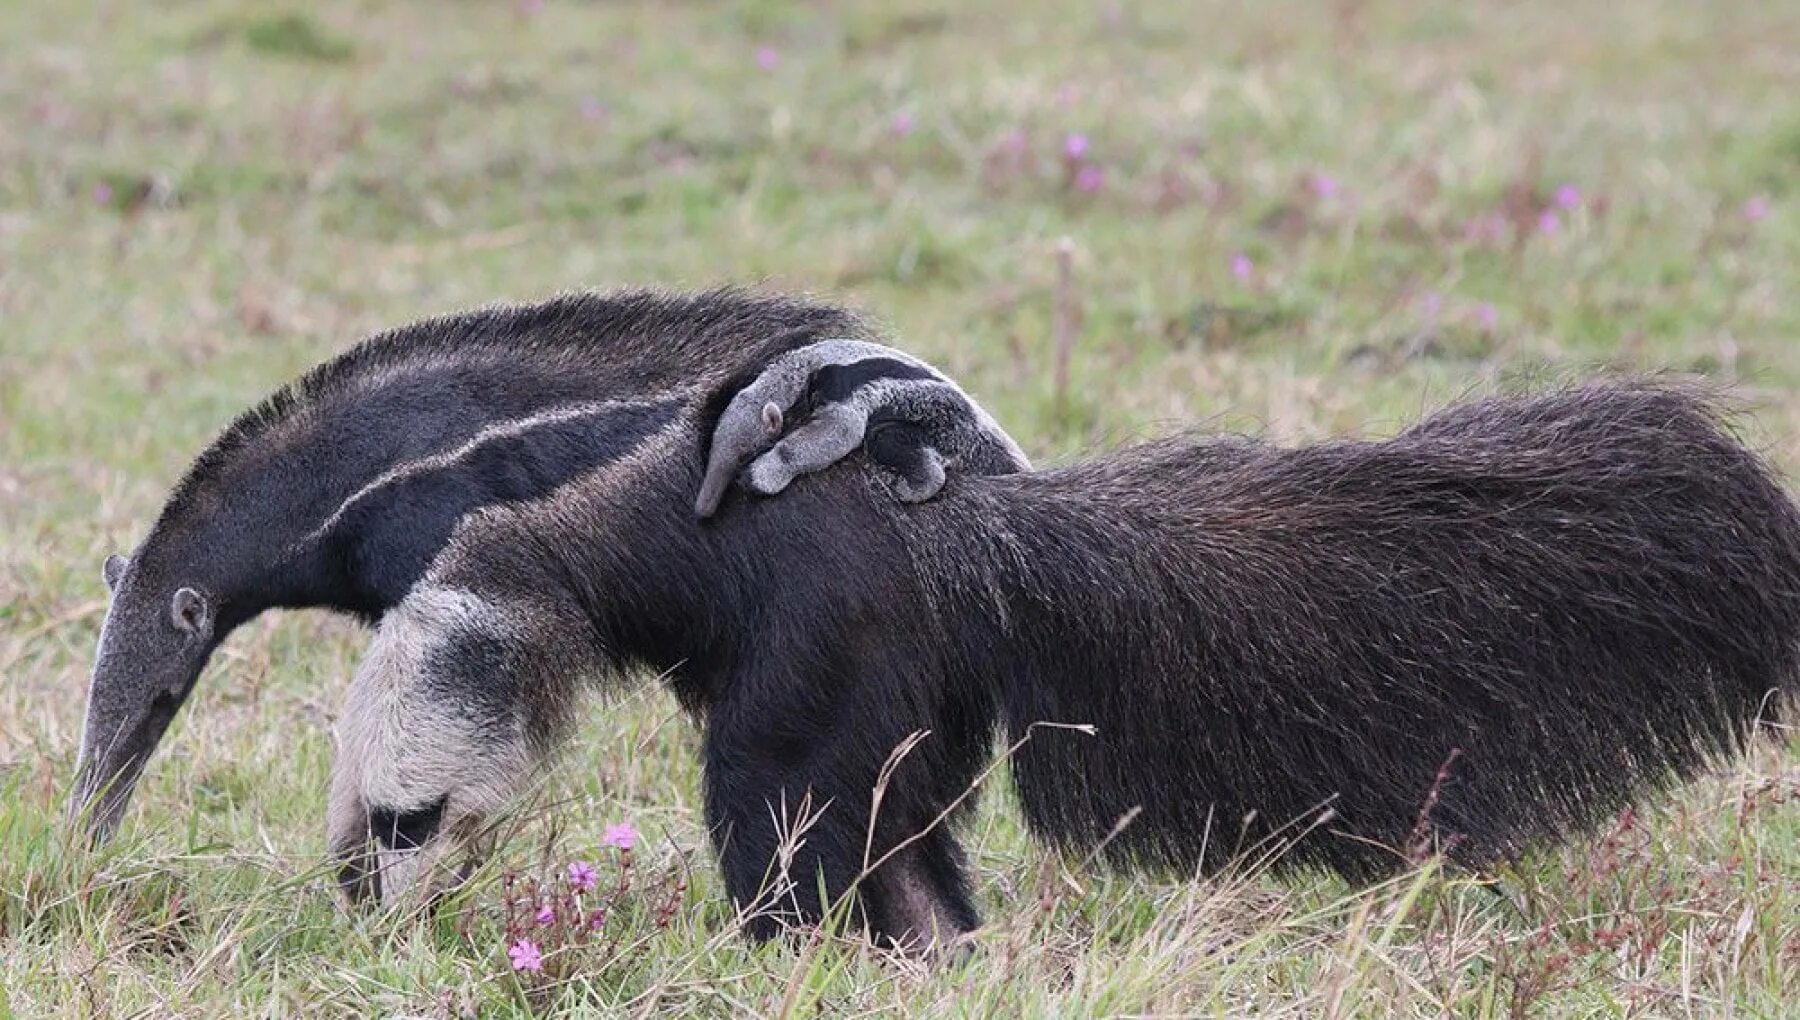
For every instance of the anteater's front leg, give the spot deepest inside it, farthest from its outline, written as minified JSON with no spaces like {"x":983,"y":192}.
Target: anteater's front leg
{"x":829,"y":436}
{"x":813,"y":811}
{"x":450,"y":715}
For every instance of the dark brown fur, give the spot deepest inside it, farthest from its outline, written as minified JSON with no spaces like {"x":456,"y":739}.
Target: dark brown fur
{"x":1589,"y":595}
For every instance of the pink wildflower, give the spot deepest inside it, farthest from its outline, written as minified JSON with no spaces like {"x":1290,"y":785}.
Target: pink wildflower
{"x":1487,"y":316}
{"x":1242,"y":267}
{"x":1434,"y":303}
{"x":593,"y":110}
{"x":1549,"y":222}
{"x":525,"y":955}
{"x":103,"y":194}
{"x":581,"y":876}
{"x":546,"y":914}
{"x":1324,"y":186}
{"x":903,"y":124}
{"x":767,"y":58}
{"x":1014,"y":142}
{"x":622,"y":836}
{"x":1568,"y":197}
{"x":1089,"y":179}
{"x":1757,"y":208}
{"x":1075,"y":146}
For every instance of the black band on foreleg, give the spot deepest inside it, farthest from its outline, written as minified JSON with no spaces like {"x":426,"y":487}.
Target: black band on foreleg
{"x":407,"y":830}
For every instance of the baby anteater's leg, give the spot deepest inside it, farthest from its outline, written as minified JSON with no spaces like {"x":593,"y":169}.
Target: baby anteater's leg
{"x":826,"y":438}
{"x":905,"y":448}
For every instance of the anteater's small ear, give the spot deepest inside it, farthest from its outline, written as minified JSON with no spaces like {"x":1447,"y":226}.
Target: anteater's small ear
{"x":771,"y":418}
{"x":112,"y":569}
{"x":190,"y":612}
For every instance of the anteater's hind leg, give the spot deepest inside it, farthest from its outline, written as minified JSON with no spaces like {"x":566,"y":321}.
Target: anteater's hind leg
{"x":449,"y":715}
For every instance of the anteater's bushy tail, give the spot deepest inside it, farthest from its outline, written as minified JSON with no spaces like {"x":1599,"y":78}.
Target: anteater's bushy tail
{"x":1587,"y":596}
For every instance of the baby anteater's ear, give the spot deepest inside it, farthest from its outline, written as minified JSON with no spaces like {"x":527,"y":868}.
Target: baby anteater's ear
{"x":112,"y":569}
{"x":771,"y":418}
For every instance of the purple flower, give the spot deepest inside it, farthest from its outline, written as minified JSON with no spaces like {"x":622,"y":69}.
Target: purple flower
{"x":103,"y":194}
{"x":621,"y":835}
{"x":1549,"y":222}
{"x":1089,"y":179}
{"x":1242,"y":267}
{"x":592,"y":110}
{"x":767,"y":58}
{"x":546,"y":914}
{"x":902,"y":124}
{"x":1014,"y":142}
{"x":1757,"y":208}
{"x":525,"y":955}
{"x":1486,"y":315}
{"x":1434,"y":303}
{"x":1324,"y":186}
{"x":1075,"y":146}
{"x":1568,"y":197}
{"x":581,"y":876}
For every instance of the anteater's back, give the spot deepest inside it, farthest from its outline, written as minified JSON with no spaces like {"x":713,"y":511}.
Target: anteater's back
{"x":1585,"y":596}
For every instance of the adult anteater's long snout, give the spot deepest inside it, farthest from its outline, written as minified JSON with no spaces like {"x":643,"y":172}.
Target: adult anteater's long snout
{"x":143,"y":672}
{"x":113,"y":757}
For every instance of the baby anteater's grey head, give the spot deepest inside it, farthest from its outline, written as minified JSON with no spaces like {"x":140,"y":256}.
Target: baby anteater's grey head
{"x":837,"y":394}
{"x":754,"y":418}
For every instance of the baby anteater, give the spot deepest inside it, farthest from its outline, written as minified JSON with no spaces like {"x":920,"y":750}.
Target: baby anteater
{"x":847,"y":393}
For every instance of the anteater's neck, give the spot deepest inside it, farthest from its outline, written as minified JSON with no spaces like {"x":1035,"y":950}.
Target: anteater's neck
{"x":357,"y":505}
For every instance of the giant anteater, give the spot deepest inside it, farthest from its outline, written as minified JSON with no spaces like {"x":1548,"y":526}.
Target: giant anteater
{"x":1587,"y":594}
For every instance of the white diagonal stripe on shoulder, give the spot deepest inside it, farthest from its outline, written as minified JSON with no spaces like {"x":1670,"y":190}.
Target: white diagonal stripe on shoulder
{"x":493,"y":432}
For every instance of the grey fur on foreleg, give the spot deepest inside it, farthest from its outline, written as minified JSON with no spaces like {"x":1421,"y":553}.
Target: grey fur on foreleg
{"x":448,"y":717}
{"x":832,"y":434}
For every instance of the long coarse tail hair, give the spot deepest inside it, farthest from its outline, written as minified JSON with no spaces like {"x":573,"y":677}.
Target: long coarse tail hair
{"x":1526,"y":611}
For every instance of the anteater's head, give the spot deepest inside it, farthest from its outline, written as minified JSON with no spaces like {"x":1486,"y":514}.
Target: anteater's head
{"x":160,"y":629}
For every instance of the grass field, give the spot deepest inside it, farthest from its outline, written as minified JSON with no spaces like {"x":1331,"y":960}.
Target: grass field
{"x":1302,"y":219}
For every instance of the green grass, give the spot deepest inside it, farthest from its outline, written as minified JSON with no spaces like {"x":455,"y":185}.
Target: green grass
{"x":199,"y":199}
